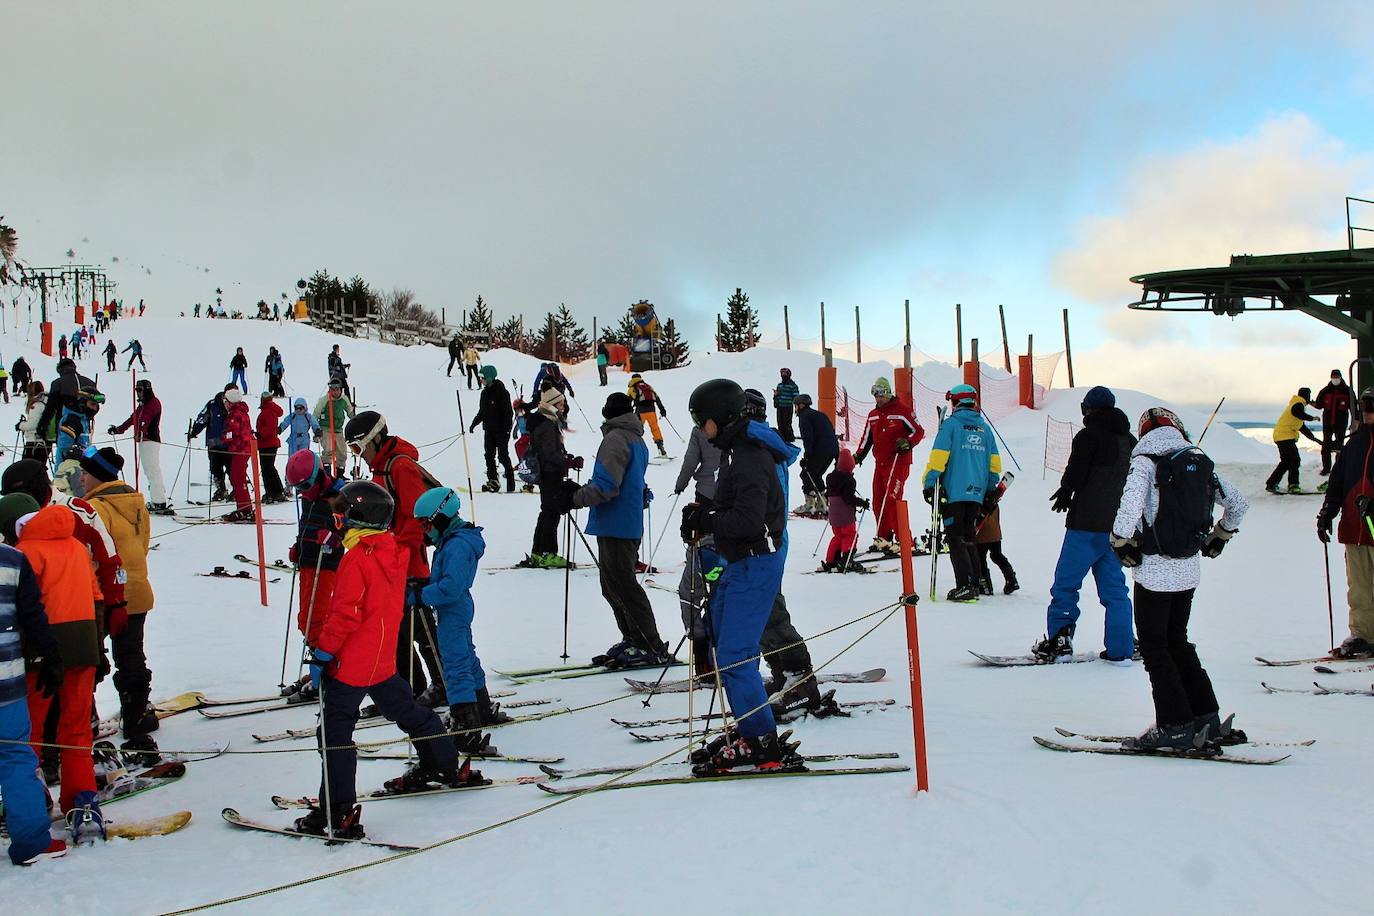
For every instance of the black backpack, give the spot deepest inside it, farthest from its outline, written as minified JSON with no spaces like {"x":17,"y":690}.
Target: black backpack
{"x":1186,"y":487}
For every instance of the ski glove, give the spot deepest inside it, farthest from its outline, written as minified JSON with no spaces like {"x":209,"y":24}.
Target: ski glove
{"x":1324,"y":527}
{"x":1127,"y":550}
{"x":862,"y":503}
{"x":48,"y":674}
{"x":1061,"y":500}
{"x":565,"y":496}
{"x":317,"y":659}
{"x":577,"y":463}
{"x":118,"y":618}
{"x":413,"y":587}
{"x":1216,"y":541}
{"x":110,"y":430}
{"x":696,"y":522}
{"x":904,"y":445}
{"x":928,"y":494}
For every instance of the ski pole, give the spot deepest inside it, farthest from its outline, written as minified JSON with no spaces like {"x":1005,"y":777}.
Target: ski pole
{"x":672,"y":512}
{"x":1330,"y":611}
{"x":567,"y":579}
{"x":674,"y":429}
{"x":664,"y":673}
{"x":590,"y":425}
{"x":936,"y":530}
{"x":467,"y":463}
{"x":1210,"y":419}
{"x":852,"y":547}
{"x":1004,"y":442}
{"x":290,"y":602}
{"x":324,"y":765}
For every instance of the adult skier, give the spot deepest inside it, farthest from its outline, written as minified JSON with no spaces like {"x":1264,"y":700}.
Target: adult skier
{"x":20,"y":376}
{"x":1350,"y":487}
{"x":648,"y":407}
{"x":1162,"y":529}
{"x":748,"y":523}
{"x":820,"y":447}
{"x":617,"y":496}
{"x":238,"y":442}
{"x":269,"y":443}
{"x":496,"y":417}
{"x":276,"y":371}
{"x":551,"y":372}
{"x":135,"y":351}
{"x":700,"y":463}
{"x":784,"y":394}
{"x":238,"y":370}
{"x":603,"y":359}
{"x":1334,"y":402}
{"x":37,"y":442}
{"x":63,"y":394}
{"x":332,"y":413}
{"x":455,"y":353}
{"x":890,"y":433}
{"x":1090,"y":492}
{"x":355,"y":657}
{"x":338,"y":369}
{"x":1290,"y":424}
{"x":471,"y":362}
{"x":395,"y":465}
{"x":110,"y":352}
{"x":553,"y":462}
{"x":211,"y":420}
{"x":146,"y":421}
{"x":302,"y":426}
{"x":965,"y":463}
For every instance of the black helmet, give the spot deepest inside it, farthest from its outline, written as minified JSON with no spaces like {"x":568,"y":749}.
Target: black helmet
{"x":755,"y":404}
{"x":719,"y":399}
{"x":365,"y":504}
{"x":367,"y":426}
{"x":802,"y":400}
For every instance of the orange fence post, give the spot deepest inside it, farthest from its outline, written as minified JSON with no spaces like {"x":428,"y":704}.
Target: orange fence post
{"x":257,"y":518}
{"x":45,"y":334}
{"x":1025,"y":376}
{"x":913,"y":647}
{"x":825,"y":391}
{"x":971,"y":377}
{"x":901,"y":384}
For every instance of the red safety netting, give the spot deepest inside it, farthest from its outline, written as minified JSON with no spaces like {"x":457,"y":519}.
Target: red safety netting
{"x":1058,"y":442}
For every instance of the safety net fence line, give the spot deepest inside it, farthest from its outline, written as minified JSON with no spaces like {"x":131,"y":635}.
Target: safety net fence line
{"x":1058,"y":442}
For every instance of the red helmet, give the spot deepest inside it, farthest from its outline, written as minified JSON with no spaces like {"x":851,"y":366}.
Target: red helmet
{"x":1156,"y":417}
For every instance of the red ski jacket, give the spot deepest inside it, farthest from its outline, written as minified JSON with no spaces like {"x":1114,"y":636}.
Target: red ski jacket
{"x":396,"y":466}
{"x":885,"y":427}
{"x":238,"y":430}
{"x":364,"y":615}
{"x":269,"y":415}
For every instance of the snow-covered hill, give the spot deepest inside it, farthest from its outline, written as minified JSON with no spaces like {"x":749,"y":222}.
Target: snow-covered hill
{"x":1007,"y":827}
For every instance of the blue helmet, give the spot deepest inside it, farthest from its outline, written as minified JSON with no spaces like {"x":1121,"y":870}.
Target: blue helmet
{"x":963,"y":396}
{"x":437,"y":508}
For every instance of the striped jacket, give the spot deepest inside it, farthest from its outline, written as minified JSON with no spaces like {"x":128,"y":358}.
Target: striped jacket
{"x":23,"y":624}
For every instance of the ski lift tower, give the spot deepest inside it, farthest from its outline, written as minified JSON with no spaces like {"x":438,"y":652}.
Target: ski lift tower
{"x":1335,"y":287}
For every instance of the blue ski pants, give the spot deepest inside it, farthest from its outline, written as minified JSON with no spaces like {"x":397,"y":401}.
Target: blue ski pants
{"x":238,"y":378}
{"x":1085,"y":551}
{"x":739,"y":611}
{"x":463,"y":675}
{"x":26,"y":809}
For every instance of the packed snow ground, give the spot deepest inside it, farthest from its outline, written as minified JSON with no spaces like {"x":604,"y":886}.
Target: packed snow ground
{"x":1006,"y":827}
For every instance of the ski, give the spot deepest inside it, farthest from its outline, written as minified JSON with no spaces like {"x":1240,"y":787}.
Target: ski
{"x":184,"y":702}
{"x":1323,"y":669}
{"x":726,"y":777}
{"x":682,"y":720}
{"x":1176,"y":755}
{"x":254,"y":710}
{"x":155,"y":777}
{"x":1288,"y":663}
{"x":379,"y":721}
{"x":1117,"y":739}
{"x":1017,"y":661}
{"x":273,"y":564}
{"x":233,"y":817}
{"x":383,"y":795}
{"x":197,"y":520}
{"x":117,"y":756}
{"x":556,"y":773}
{"x":590,"y":671}
{"x":872,"y":675}
{"x":245,"y":575}
{"x":1321,"y":691}
{"x":379,"y":754}
{"x":531,"y":672}
{"x":153,"y":826}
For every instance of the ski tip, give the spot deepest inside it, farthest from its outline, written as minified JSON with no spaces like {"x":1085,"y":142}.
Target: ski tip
{"x":544,"y":787}
{"x":1267,"y":688}
{"x":1065,"y":733}
{"x":550,"y":771}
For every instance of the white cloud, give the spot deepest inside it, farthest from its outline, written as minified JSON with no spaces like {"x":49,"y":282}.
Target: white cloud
{"x":1279,"y":189}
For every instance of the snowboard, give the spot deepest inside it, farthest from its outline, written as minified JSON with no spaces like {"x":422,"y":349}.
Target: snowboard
{"x":153,"y":826}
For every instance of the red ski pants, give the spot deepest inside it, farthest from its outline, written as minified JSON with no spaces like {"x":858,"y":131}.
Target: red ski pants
{"x":841,"y":542}
{"x":321,"y":586}
{"x":238,"y":480}
{"x":73,"y":729}
{"x":889,"y":481}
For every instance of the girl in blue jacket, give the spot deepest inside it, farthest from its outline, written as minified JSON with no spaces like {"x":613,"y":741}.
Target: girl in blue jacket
{"x":302,"y":424}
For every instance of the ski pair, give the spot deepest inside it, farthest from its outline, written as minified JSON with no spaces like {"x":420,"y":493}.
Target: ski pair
{"x":1218,"y":756}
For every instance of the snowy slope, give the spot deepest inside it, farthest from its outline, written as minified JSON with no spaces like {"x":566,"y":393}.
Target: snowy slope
{"x":1007,"y":827}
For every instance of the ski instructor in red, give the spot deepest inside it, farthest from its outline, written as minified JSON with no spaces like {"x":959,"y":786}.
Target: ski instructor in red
{"x":890,"y":432}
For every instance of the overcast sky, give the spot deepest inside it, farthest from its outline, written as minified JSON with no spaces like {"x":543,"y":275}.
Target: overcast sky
{"x":598,"y":153}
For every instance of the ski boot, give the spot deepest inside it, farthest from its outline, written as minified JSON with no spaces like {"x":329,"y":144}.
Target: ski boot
{"x":763,"y":754}
{"x":663,"y":452}
{"x":491,"y":486}
{"x":220,"y":495}
{"x":1217,"y":732}
{"x":1011,"y":584}
{"x":109,"y":766}
{"x":348,"y":823}
{"x":84,"y":820}
{"x":610,"y":654}
{"x":308,"y":693}
{"x":239,"y":515}
{"x":827,"y":567}
{"x":1053,"y":648}
{"x":466,"y":719}
{"x":141,"y":751}
{"x":1183,"y":738}
{"x":527,"y":488}
{"x":160,"y":509}
{"x":985,"y":586}
{"x":635,"y":657}
{"x":1354,"y":647}
{"x":433,"y":696}
{"x":490,"y":712}
{"x":1321,"y":487}
{"x":1294,"y":489}
{"x":963,"y":594}
{"x":551,"y":561}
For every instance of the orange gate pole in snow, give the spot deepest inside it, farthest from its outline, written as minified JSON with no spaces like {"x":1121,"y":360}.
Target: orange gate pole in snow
{"x":257,"y":518}
{"x":913,"y":647}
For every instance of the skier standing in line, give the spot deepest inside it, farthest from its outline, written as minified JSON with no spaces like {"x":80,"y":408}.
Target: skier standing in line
{"x":648,"y":406}
{"x":890,"y":432}
{"x":276,"y":371}
{"x":355,"y":657}
{"x":748,"y":522}
{"x":269,"y":443}
{"x":317,"y":550}
{"x":1090,"y":492}
{"x":110,"y":354}
{"x":20,"y":376}
{"x":1334,"y":402}
{"x":1351,"y":481}
{"x":989,"y":540}
{"x":965,"y":463}
{"x":338,"y":369}
{"x":842,"y":498}
{"x":62,"y":347}
{"x":36,"y":442}
{"x":135,"y":351}
{"x":1290,"y":424}
{"x":211,"y":420}
{"x":238,"y":436}
{"x":1162,"y":529}
{"x":783,"y":396}
{"x":471,"y":362}
{"x":455,"y":353}
{"x":332,"y":412}
{"x":146,"y":421}
{"x":700,"y":463}
{"x":820,"y":446}
{"x":302,"y":425}
{"x":495,"y":416}
{"x":553,"y":461}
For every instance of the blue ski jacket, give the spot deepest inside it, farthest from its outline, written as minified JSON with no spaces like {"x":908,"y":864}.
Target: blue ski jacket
{"x":964,"y":458}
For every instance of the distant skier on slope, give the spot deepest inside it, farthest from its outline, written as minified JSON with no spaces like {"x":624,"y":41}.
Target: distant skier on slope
{"x":1290,"y":424}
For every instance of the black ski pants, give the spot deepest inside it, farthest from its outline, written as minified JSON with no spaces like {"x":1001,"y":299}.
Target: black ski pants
{"x":132,"y":679}
{"x":452,"y":359}
{"x":274,"y":386}
{"x":219,"y":465}
{"x":785,"y":423}
{"x":110,"y":362}
{"x":1182,"y":690}
{"x":601,"y":374}
{"x":961,"y":533}
{"x":782,"y":646}
{"x":1289,"y":463}
{"x":496,"y":445}
{"x":1333,"y":439}
{"x":992,"y":550}
{"x":418,"y":649}
{"x":474,"y":380}
{"x":634,"y":615}
{"x":546,"y":526}
{"x":137,"y":356}
{"x":395,"y":701}
{"x":271,"y":480}
{"x":813,"y":470}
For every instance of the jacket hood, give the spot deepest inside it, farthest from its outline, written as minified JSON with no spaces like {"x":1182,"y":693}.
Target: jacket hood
{"x":845,"y":462}
{"x":1111,"y":419}
{"x":122,"y":498}
{"x":469,"y":534}
{"x":395,"y":445}
{"x":768,"y":437}
{"x":626,"y":421}
{"x":51,"y":523}
{"x":1160,"y":441}
{"x":239,"y":407}
{"x":299,"y":402}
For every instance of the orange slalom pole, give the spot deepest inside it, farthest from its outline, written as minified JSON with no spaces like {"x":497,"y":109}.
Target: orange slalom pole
{"x":257,"y":518}
{"x":913,"y":647}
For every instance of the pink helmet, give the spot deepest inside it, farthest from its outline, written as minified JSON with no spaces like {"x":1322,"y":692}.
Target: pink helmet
{"x":303,"y":469}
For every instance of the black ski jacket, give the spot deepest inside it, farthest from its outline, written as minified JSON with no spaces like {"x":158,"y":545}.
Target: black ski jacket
{"x":494,"y":413}
{"x":817,"y":434}
{"x":1096,"y":473}
{"x":750,"y":513}
{"x":547,"y":445}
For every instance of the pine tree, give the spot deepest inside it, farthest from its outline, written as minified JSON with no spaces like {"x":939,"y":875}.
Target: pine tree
{"x":740,"y":329}
{"x":356,"y":297}
{"x":322,"y":285}
{"x":573,"y":345}
{"x":622,"y":333}
{"x":675,"y":349}
{"x":479,"y":318}
{"x":509,"y":334}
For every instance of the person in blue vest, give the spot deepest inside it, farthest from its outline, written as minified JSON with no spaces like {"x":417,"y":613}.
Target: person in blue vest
{"x":617,"y":497}
{"x":783,"y":395}
{"x":965,"y":463}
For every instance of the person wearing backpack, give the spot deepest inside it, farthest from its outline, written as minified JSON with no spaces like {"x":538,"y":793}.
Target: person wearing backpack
{"x":1162,"y":530}
{"x":546,"y":462}
{"x":1290,"y":424}
{"x":1350,"y":482}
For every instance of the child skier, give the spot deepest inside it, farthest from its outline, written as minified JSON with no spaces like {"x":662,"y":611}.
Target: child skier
{"x":355,"y":656}
{"x":841,"y":495}
{"x":1162,"y":529}
{"x":302,"y":426}
{"x":458,"y":546}
{"x":990,"y":548}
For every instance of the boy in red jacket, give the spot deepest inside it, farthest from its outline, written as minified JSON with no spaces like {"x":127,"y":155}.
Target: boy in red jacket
{"x":355,"y":656}
{"x":269,"y":443}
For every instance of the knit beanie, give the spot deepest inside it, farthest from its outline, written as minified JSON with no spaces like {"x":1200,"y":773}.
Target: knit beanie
{"x":618,"y":403}
{"x":104,"y":465}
